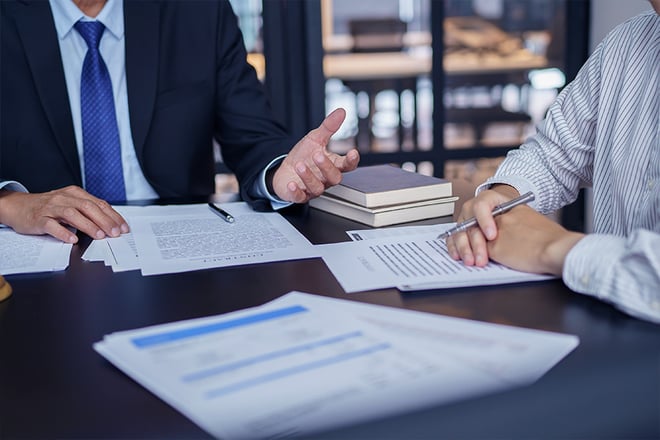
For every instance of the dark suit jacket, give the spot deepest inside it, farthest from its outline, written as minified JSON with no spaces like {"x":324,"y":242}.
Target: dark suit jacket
{"x":188,"y":81}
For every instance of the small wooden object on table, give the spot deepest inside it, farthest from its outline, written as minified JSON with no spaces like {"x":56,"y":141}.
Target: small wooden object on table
{"x":5,"y":289}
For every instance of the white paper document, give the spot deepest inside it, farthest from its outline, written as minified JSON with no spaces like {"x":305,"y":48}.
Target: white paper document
{"x":513,"y":355}
{"x":121,"y":253}
{"x":409,"y":258}
{"x":303,"y":364}
{"x":180,"y":238}
{"x":368,"y":234}
{"x":31,"y":253}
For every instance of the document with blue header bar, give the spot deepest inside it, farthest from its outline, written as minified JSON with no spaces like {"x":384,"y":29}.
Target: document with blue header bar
{"x":303,"y":363}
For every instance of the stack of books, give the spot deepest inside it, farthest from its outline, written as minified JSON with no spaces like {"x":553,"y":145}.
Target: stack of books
{"x":383,"y":195}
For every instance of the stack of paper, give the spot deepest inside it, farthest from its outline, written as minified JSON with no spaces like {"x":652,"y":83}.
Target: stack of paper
{"x":305,"y":363}
{"x":180,"y":238}
{"x":31,"y":253}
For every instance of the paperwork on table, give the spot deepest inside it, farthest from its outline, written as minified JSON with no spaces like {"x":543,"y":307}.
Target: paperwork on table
{"x":305,"y":363}
{"x":31,"y":253}
{"x":168,"y":239}
{"x":409,"y":258}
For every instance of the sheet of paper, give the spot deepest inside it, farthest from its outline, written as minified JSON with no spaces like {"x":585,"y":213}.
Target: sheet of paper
{"x":195,"y":238}
{"x":409,"y":261}
{"x":226,"y":372}
{"x":31,"y":253}
{"x":120,"y":253}
{"x":95,"y":251}
{"x":513,"y":355}
{"x":368,"y":234}
{"x":202,"y":240}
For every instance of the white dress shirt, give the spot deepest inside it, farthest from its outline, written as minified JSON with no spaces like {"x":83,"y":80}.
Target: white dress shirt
{"x":73,"y":49}
{"x":602,"y":131}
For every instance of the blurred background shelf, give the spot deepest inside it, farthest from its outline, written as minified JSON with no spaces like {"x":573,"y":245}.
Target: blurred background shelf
{"x":441,"y":87}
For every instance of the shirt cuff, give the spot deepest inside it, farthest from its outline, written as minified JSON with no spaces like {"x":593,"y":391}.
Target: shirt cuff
{"x":589,"y":263}
{"x":12,"y":185}
{"x":261,"y":189}
{"x":521,"y":185}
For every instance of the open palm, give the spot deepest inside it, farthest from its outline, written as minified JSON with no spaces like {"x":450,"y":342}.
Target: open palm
{"x":310,"y":168}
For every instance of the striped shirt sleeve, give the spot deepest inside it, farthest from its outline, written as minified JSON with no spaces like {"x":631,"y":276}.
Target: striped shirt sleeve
{"x":618,"y":270}
{"x":602,"y":131}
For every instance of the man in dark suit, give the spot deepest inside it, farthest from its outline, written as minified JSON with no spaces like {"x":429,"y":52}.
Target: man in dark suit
{"x":179,"y":80}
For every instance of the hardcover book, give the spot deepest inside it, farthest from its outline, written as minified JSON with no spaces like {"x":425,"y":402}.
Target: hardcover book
{"x":384,"y":185}
{"x":385,"y":215}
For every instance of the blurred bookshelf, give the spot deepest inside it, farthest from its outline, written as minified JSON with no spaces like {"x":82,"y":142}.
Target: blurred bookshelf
{"x":501,"y":64}
{"x":448,"y":88}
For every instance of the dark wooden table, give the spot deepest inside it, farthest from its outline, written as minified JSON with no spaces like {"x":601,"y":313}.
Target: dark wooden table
{"x":53,"y":385}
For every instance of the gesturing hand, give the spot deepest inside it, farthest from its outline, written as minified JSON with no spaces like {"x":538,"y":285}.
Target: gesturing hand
{"x":309,"y":168}
{"x":50,"y":212}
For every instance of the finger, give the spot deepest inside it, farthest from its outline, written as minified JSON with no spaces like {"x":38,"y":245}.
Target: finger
{"x":462,"y":244}
{"x":296,"y":194}
{"x":114,"y":216}
{"x":348,"y":162}
{"x":322,"y":134}
{"x":330,"y":173}
{"x":451,"y":248}
{"x":100,"y":213}
{"x":352,"y":160}
{"x":311,"y":184}
{"x":483,"y":212}
{"x":73,"y":217}
{"x":54,"y":228}
{"x":98,"y":210}
{"x":103,"y":214}
{"x":479,"y":246}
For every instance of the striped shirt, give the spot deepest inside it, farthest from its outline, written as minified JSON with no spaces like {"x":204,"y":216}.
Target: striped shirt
{"x":602,"y":131}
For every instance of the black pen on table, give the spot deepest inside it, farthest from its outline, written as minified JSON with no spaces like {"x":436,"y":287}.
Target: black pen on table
{"x":222,"y":213}
{"x":499,"y":209}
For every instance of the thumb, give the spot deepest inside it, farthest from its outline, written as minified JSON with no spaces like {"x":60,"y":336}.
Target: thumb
{"x":328,"y":127}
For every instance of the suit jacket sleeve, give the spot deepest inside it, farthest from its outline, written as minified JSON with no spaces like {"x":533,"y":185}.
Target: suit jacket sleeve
{"x":204,"y":90}
{"x":245,"y":127}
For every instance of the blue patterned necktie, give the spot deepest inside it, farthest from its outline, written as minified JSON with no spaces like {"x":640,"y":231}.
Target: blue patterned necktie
{"x":104,"y":176}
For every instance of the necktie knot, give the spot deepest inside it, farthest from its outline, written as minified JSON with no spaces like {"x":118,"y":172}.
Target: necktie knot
{"x":91,"y":31}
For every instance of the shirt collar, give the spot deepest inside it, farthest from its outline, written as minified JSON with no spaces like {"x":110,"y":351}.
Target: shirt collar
{"x":66,"y":14}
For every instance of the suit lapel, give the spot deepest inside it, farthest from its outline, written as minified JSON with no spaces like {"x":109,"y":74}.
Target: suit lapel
{"x":37,"y":31}
{"x":141,"y":23}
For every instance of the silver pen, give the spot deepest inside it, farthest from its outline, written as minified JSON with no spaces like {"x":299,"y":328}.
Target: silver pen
{"x":499,"y":209}
{"x":222,"y":213}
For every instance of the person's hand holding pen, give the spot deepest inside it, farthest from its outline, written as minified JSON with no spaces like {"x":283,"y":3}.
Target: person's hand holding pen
{"x":471,"y":245}
{"x":498,"y":210}
{"x":521,"y":239}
